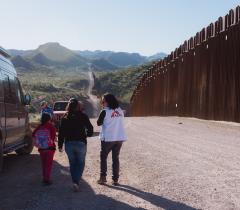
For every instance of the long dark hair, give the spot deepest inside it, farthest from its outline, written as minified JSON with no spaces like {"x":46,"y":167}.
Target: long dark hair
{"x":72,"y":107}
{"x":111,"y":100}
{"x":45,"y":118}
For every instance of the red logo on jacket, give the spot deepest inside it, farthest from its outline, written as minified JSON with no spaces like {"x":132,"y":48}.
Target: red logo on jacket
{"x":115,"y":114}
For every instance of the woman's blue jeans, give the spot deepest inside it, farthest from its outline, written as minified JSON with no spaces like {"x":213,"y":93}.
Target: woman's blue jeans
{"x":76,"y":152}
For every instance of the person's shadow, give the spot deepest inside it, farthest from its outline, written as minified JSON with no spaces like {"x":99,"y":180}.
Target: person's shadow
{"x":20,"y":188}
{"x":154,"y":199}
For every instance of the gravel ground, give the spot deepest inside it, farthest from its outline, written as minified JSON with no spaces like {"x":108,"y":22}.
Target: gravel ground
{"x":167,"y":163}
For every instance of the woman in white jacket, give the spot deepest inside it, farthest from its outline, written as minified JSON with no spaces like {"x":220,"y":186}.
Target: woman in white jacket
{"x":112,"y":136}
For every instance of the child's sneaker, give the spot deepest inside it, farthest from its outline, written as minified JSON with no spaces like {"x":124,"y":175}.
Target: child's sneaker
{"x":102,"y":181}
{"x":46,"y":183}
{"x":76,"y":187}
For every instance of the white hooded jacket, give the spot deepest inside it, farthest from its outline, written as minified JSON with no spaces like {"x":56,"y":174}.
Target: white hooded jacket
{"x":113,"y":126}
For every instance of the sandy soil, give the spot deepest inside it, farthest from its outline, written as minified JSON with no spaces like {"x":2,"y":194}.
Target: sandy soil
{"x":167,"y":163}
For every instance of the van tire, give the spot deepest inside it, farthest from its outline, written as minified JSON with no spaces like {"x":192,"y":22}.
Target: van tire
{"x":28,"y":148}
{"x":1,"y":155}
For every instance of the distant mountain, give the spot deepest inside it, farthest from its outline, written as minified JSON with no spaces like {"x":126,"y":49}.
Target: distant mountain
{"x":19,"y":52}
{"x":102,"y":64}
{"x":41,"y":59}
{"x":157,"y":56}
{"x":55,"y":52}
{"x":20,"y":62}
{"x":123,"y":59}
{"x":97,"y":54}
{"x":119,"y":59}
{"x":54,"y":56}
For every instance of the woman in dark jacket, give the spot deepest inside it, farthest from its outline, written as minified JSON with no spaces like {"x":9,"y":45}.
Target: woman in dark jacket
{"x":74,"y":129}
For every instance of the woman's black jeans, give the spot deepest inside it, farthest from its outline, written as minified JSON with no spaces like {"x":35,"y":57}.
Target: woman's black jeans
{"x":107,"y":147}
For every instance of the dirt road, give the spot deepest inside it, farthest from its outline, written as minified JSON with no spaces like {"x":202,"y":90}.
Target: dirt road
{"x":93,"y":100}
{"x":168,"y":163}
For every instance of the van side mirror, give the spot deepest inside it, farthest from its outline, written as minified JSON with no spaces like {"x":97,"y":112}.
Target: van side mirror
{"x":27,"y":99}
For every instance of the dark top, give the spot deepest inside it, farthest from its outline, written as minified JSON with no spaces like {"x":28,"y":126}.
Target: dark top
{"x":74,"y":128}
{"x":101,"y":117}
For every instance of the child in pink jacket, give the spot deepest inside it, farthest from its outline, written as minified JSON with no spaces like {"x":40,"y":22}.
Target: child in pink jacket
{"x":44,"y":138}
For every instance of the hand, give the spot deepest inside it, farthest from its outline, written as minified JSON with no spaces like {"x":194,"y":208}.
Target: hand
{"x":60,"y":150}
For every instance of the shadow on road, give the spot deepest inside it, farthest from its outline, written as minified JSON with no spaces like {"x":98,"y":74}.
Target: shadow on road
{"x":154,"y":199}
{"x":21,"y":188}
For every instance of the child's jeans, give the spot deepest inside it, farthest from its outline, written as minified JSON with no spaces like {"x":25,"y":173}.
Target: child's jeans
{"x":47,"y":160}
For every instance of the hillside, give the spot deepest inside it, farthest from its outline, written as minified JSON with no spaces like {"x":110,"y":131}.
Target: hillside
{"x":120,"y":59}
{"x":55,"y":52}
{"x":127,"y":59}
{"x":20,"y":62}
{"x":54,"y":85}
{"x":97,"y":54}
{"x":103,"y":65}
{"x":157,"y":56}
{"x":55,"y":56}
{"x":121,"y":83}
{"x":14,"y":52}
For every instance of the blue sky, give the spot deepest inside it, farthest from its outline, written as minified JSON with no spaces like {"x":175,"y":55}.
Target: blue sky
{"x":144,"y":26}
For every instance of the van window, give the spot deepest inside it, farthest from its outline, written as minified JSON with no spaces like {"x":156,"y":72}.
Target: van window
{"x":19,"y":91}
{"x":1,"y":89}
{"x":9,"y":86}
